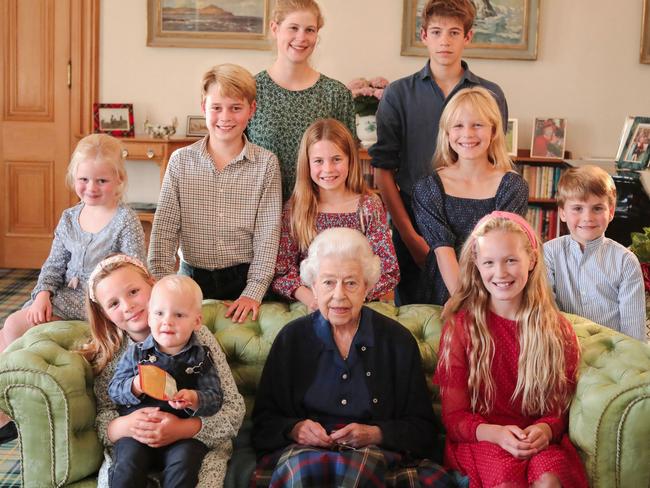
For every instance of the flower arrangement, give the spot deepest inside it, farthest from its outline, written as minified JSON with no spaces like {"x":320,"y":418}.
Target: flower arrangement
{"x":366,"y":94}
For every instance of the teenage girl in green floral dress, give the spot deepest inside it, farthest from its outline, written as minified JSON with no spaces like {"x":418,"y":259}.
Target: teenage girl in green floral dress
{"x":291,"y":94}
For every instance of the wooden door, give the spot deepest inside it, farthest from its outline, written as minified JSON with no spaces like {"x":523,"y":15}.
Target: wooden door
{"x":40,"y":40}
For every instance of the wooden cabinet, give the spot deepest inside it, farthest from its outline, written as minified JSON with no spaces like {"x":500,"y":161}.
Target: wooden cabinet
{"x":142,"y":148}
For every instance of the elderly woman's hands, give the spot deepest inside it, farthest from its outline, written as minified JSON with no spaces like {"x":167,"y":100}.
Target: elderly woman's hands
{"x":357,"y":435}
{"x":310,"y":433}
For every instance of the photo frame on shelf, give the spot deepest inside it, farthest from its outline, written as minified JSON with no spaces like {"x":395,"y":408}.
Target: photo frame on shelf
{"x":196,"y":126}
{"x":507,"y":30}
{"x":512,"y":135}
{"x":645,"y":33}
{"x":115,"y":119}
{"x":549,"y":138}
{"x":635,"y":153}
{"x":232,"y":24}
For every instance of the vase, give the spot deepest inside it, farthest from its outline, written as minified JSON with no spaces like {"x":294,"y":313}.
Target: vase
{"x":366,"y":129}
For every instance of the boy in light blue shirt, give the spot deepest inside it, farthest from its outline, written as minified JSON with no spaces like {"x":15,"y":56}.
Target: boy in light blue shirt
{"x":591,"y":275}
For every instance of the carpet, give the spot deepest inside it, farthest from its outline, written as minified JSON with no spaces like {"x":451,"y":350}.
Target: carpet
{"x":16,"y":286}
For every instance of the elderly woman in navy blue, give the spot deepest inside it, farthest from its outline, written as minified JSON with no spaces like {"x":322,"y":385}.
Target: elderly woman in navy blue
{"x":343,"y":397}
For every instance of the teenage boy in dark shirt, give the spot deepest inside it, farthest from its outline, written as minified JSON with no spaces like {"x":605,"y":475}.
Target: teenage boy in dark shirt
{"x":407,"y":128}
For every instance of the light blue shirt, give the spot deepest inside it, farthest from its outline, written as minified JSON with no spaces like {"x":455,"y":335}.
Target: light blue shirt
{"x":603,"y":283}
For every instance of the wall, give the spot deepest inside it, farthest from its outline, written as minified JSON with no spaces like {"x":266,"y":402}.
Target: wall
{"x":587,"y":68}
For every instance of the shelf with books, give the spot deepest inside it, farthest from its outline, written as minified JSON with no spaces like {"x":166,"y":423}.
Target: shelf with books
{"x":542,"y":176}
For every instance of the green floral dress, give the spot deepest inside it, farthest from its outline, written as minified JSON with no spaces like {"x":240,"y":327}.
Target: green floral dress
{"x":283,"y":115}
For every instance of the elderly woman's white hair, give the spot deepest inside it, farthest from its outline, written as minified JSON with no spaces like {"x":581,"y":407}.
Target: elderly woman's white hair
{"x":341,"y":243}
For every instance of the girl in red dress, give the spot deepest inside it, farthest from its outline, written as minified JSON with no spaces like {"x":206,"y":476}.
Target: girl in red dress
{"x":508,"y":364}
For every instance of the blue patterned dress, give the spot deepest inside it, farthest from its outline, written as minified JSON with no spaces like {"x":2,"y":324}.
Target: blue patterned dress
{"x":75,"y":253}
{"x":445,"y":220}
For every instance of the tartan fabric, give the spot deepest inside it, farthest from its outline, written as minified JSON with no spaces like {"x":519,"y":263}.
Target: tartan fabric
{"x":10,"y":475}
{"x":15,"y":288}
{"x":369,"y":467}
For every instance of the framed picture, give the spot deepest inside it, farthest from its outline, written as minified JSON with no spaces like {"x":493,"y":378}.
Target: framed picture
{"x":549,"y":138}
{"x":115,"y":119}
{"x":503,"y":29}
{"x":636,"y":150}
{"x":231,"y":24}
{"x":196,"y":126}
{"x":645,"y":33}
{"x":512,"y":136}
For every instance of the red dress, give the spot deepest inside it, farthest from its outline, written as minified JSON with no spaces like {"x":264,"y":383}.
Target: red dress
{"x":485,"y":463}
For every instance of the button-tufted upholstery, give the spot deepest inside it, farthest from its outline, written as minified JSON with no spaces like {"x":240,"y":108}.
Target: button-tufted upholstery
{"x":48,"y":390}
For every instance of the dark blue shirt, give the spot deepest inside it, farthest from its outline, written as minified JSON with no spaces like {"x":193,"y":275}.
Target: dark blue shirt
{"x":192,"y":356}
{"x":407,"y":123}
{"x":339,"y":393}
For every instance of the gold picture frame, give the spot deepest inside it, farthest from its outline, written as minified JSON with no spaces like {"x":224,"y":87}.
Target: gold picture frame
{"x":645,"y":34}
{"x":227,"y":24}
{"x":511,"y":34}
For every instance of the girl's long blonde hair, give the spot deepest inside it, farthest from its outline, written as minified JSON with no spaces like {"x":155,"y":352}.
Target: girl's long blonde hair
{"x":481,"y":101}
{"x":105,"y":337}
{"x":541,"y":374}
{"x":303,"y":204}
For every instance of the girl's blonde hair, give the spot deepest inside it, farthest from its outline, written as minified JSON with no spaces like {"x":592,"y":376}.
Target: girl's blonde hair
{"x":285,"y":7}
{"x":106,"y":338}
{"x":481,"y":101}
{"x":99,"y":148}
{"x":303,"y":204}
{"x":541,"y":376}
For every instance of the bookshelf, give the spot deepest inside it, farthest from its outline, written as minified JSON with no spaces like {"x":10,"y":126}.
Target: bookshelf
{"x":542,"y":176}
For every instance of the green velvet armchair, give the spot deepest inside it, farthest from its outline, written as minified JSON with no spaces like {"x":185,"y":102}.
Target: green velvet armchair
{"x":47,"y":389}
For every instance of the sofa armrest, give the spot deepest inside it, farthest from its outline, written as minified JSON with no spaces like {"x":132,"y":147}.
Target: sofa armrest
{"x":48,"y":391}
{"x":609,"y":415}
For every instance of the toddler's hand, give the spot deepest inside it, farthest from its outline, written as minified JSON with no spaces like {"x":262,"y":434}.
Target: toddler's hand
{"x":40,"y":311}
{"x":185,"y":399}
{"x":136,"y":387}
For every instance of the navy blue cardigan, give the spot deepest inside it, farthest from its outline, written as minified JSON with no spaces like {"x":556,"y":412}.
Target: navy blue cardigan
{"x":402,"y":410}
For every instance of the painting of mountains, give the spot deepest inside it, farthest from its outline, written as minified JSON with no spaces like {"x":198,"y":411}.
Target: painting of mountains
{"x":215,"y":16}
{"x":236,"y":24}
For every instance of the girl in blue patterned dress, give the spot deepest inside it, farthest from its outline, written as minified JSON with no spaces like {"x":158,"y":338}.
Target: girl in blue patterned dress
{"x":474,"y":176}
{"x":98,"y":225}
{"x":330,"y":191}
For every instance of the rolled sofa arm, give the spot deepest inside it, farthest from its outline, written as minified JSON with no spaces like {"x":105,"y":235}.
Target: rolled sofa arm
{"x":610,"y":415}
{"x":48,"y":391}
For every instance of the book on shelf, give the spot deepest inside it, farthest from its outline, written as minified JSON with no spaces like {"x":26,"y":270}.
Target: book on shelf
{"x":544,"y":221}
{"x":542,"y":180}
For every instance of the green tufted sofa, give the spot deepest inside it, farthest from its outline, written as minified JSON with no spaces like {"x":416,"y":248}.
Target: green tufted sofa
{"x":48,"y":390}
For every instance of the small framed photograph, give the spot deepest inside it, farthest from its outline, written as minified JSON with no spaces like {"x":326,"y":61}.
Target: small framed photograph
{"x":636,"y":151}
{"x":512,"y":136}
{"x":549,"y":138}
{"x":196,"y":126}
{"x":115,"y":119}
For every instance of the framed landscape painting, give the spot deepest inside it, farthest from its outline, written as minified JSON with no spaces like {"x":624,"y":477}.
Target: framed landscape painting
{"x":235,"y":24}
{"x":503,"y":29}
